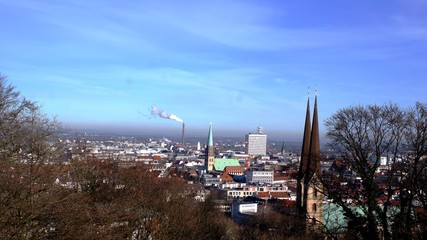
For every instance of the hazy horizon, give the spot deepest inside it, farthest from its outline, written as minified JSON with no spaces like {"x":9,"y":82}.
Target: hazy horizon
{"x":175,"y":131}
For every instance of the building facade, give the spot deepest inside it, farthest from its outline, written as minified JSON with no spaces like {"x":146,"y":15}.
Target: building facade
{"x":255,"y":176}
{"x":256,"y":143}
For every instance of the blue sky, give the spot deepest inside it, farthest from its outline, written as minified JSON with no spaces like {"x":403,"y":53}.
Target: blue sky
{"x":238,"y":64}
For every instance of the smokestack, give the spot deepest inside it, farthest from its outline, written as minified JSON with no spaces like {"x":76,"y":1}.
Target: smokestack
{"x":183,"y":134}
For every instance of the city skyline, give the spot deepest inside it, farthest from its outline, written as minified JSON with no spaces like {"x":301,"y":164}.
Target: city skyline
{"x":237,"y":64}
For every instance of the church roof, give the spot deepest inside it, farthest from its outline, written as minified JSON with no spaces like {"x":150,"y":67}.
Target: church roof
{"x":221,"y":163}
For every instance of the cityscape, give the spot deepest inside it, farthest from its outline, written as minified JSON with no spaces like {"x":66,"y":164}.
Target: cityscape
{"x":248,"y":177}
{"x":222,"y":120}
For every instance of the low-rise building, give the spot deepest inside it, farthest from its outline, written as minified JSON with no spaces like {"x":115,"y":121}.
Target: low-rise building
{"x":242,"y":212}
{"x":256,"y":176}
{"x":235,"y":170}
{"x":210,"y":180}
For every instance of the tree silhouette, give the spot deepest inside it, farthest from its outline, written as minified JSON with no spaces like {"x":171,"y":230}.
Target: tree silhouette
{"x":364,"y":135}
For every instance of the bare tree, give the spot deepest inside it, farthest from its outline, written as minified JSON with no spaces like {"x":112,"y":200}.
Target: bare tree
{"x":25,"y":132}
{"x":413,"y":175}
{"x":25,"y":144}
{"x":364,"y":135}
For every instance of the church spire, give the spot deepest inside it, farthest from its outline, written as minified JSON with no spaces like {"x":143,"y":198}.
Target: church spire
{"x":305,"y":150}
{"x":309,"y":199}
{"x":210,"y":151}
{"x":210,"y":138}
{"x":314,"y":155}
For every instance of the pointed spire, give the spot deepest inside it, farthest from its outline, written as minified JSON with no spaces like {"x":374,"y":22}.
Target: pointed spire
{"x":315,"y":141}
{"x":306,"y":140}
{"x":210,"y":138}
{"x":210,"y":151}
{"x":309,"y":170}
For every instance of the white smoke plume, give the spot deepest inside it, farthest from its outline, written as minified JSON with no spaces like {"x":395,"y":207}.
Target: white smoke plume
{"x":155,"y":111}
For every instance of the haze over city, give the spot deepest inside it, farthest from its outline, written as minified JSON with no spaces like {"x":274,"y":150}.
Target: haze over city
{"x":238,"y":64}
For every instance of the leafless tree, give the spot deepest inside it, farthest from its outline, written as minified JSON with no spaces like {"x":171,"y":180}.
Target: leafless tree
{"x":25,"y":144}
{"x":364,"y":135}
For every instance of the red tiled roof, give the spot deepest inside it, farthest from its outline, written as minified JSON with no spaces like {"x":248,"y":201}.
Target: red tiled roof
{"x":279,"y":195}
{"x":263,"y":195}
{"x":226,"y":177}
{"x":289,"y":203}
{"x":145,"y":157}
{"x":279,"y":177}
{"x":229,"y":169}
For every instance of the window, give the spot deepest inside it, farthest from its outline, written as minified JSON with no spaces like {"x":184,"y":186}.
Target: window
{"x":314,"y":207}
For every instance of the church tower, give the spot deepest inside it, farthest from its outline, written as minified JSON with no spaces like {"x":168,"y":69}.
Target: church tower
{"x":309,"y":196}
{"x":209,"y":152}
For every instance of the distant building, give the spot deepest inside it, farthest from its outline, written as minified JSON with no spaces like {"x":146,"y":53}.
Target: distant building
{"x":246,"y":191}
{"x":209,"y":180}
{"x":382,"y":161}
{"x":235,"y":170}
{"x":254,"y":176}
{"x":242,"y":212}
{"x":256,"y":143}
{"x":197,"y":191}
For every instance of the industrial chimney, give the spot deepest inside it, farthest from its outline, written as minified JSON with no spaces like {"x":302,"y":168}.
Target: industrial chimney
{"x":183,"y":134}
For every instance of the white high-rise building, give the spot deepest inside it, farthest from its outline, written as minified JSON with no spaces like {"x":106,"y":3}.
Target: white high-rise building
{"x":256,"y":143}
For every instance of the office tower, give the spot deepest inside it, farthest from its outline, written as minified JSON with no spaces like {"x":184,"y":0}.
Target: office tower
{"x":256,"y":143}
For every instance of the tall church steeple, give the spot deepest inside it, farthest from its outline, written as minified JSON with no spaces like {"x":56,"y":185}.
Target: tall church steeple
{"x":314,"y":157}
{"x":210,"y":151}
{"x":309,"y":197}
{"x":305,"y":149}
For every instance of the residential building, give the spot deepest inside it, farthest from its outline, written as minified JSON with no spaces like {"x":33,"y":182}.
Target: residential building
{"x":246,"y":191}
{"x":209,"y":180}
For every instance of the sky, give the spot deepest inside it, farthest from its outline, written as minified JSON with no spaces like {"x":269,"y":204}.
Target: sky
{"x":240,"y":64}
